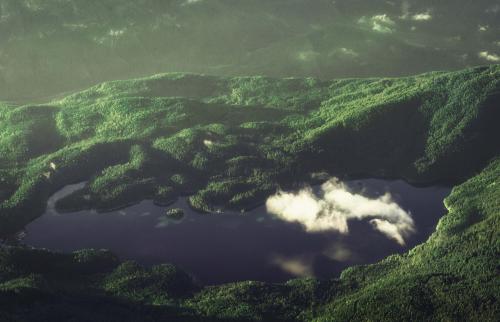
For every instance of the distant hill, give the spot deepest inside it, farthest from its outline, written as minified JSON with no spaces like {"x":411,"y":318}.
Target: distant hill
{"x":53,"y":46}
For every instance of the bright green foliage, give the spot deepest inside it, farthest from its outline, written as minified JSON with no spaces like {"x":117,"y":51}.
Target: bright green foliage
{"x":460,"y":258}
{"x":174,"y":214}
{"x":230,"y":142}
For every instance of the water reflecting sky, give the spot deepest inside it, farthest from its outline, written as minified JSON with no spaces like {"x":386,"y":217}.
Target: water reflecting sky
{"x":219,"y":248}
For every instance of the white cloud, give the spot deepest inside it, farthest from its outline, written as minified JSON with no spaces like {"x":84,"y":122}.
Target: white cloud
{"x":337,"y":206}
{"x":308,"y":55}
{"x":192,"y":1}
{"x":116,"y":33}
{"x":385,"y":19}
{"x":75,"y":26}
{"x":489,"y":56}
{"x":345,"y":53}
{"x":339,"y":252}
{"x":391,"y":230}
{"x":483,"y":28}
{"x":424,"y":16}
{"x":297,"y":266}
{"x":381,"y":28}
{"x":379,"y":23}
{"x":349,"y":52}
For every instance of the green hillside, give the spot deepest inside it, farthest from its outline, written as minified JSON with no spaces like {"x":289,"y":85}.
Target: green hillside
{"x":230,"y":142}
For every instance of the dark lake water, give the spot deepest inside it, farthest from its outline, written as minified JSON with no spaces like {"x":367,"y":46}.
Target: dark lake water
{"x":226,"y":247}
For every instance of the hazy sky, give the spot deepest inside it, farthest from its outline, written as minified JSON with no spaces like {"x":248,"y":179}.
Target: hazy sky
{"x":51,"y":46}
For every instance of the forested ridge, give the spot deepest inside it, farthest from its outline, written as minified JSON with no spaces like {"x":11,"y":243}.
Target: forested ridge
{"x":229,"y":142}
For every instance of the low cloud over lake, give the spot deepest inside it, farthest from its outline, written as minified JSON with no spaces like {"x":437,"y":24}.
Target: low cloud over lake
{"x":336,"y":204}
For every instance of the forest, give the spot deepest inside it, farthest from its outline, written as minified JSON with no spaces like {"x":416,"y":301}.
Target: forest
{"x":231,"y":141}
{"x":348,"y":151}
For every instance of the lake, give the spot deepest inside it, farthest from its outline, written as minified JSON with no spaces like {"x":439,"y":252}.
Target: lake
{"x":227,"y":247}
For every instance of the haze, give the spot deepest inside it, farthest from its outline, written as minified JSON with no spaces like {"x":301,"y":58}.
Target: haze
{"x":52,"y":46}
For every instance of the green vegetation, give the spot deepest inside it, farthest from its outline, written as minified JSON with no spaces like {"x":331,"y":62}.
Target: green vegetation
{"x":460,"y":258}
{"x":229,"y":142}
{"x":175,"y":213}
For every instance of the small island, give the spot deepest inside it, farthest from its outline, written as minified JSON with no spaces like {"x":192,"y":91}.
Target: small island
{"x":174,"y":213}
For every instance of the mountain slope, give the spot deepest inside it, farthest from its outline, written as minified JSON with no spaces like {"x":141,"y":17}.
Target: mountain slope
{"x":232,"y":141}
